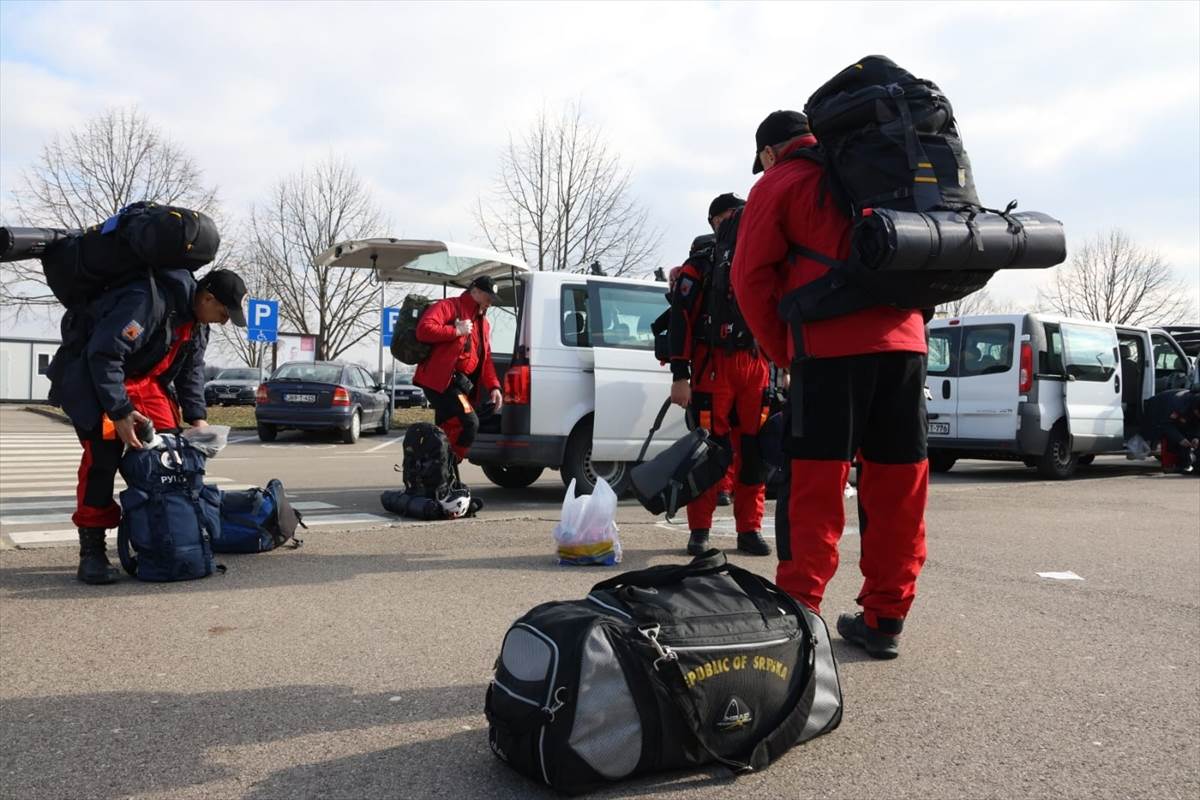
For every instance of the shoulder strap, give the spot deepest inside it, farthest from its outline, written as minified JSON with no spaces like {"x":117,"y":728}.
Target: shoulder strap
{"x":128,"y":560}
{"x":658,"y":421}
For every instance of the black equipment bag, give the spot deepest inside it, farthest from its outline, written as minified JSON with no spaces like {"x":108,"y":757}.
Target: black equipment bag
{"x":141,"y":238}
{"x":428,"y":465}
{"x":405,"y":346}
{"x":671,"y":667}
{"x":897,"y":167}
{"x":682,"y":472}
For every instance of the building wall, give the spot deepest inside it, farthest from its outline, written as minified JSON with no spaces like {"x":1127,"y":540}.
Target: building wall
{"x":23,"y":364}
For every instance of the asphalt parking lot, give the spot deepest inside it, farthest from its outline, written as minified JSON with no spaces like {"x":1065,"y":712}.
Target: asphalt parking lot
{"x":356,"y":666}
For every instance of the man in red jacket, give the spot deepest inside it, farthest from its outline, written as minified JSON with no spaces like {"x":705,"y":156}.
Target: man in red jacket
{"x":857,"y":387}
{"x":459,"y":370}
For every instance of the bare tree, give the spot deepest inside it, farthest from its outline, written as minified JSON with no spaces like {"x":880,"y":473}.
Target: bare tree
{"x":238,"y":256}
{"x":563,"y":200}
{"x":980,"y":302}
{"x":1113,"y":279}
{"x":88,"y":174}
{"x":308,"y":213}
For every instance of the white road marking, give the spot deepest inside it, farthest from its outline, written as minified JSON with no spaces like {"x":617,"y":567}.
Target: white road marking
{"x":39,"y":506}
{"x":36,"y":519}
{"x":312,"y":505}
{"x":45,"y":537}
{"x":347,"y":519}
{"x":388,"y":443}
{"x":1060,"y":576}
{"x":69,"y":483}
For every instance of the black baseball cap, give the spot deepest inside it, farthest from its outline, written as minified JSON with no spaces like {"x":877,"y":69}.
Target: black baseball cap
{"x":228,"y":287}
{"x":779,"y":126}
{"x":486,"y":285}
{"x":723,"y":202}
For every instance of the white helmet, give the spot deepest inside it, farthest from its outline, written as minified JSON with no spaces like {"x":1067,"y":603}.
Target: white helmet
{"x":455,"y":503}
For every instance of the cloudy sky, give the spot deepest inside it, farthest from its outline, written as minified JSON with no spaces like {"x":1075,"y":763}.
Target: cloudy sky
{"x":1090,"y":112}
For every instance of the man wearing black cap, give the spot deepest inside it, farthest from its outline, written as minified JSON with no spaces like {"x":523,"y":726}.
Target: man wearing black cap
{"x":857,"y":388}
{"x":459,"y":369}
{"x":142,"y":363}
{"x":719,"y":376}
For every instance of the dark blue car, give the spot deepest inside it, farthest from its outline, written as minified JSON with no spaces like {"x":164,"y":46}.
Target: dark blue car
{"x":325,"y":395}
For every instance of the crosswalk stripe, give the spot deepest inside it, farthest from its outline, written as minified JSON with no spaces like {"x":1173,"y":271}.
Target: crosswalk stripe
{"x":346,"y":518}
{"x":26,"y":494}
{"x":43,"y":537}
{"x":68,"y":503}
{"x":35,"y":519}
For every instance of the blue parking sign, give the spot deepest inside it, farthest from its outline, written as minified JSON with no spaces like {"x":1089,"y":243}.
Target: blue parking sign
{"x":262,"y":320}
{"x":387,"y":325}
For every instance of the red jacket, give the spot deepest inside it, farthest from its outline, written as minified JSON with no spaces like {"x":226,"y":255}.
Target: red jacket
{"x":450,"y":351}
{"x":785,"y":208}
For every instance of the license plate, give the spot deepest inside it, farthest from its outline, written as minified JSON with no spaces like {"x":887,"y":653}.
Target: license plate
{"x":940,"y":428}
{"x":300,"y":398}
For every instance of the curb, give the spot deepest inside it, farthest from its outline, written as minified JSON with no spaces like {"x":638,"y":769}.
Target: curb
{"x":41,"y":412}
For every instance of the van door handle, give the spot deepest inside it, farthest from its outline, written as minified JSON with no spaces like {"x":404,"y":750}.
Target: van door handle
{"x":945,"y":390}
{"x":1117,"y":384}
{"x":931,"y":416}
{"x":589,"y":370}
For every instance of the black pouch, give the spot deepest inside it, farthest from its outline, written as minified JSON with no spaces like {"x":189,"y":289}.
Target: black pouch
{"x":462,"y":384}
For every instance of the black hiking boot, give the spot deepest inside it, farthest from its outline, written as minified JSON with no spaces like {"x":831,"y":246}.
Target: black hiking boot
{"x":698,"y":544}
{"x":94,"y":567}
{"x":724,"y":498}
{"x":854,"y":629}
{"x":753,"y":544}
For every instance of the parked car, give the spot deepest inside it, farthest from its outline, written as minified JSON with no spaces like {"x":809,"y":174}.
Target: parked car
{"x":325,"y":395}
{"x":574,"y":352}
{"x":233,"y":387}
{"x":1048,"y":391}
{"x":407,"y":395}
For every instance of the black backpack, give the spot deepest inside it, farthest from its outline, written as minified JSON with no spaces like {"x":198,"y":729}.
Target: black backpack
{"x":429,"y":466}
{"x":406,"y":348}
{"x":141,"y":238}
{"x":895,"y":164}
{"x":666,"y":668}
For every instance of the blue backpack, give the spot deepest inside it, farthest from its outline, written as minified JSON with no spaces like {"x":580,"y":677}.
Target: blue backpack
{"x":257,"y":520}
{"x":169,"y":518}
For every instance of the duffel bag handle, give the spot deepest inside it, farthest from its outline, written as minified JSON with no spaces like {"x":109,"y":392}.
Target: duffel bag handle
{"x":658,"y":421}
{"x":709,"y":563}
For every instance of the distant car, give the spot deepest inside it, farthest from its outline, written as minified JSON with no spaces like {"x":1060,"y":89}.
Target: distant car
{"x":325,"y":395}
{"x":409,"y":396}
{"x":233,"y":387}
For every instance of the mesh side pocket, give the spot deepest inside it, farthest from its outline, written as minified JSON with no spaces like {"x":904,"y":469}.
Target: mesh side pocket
{"x":607,"y":731}
{"x":525,"y":656}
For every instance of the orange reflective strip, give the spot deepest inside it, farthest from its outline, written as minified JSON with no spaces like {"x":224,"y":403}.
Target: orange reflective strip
{"x":466,"y":404}
{"x":107,"y":429}
{"x":706,"y":420}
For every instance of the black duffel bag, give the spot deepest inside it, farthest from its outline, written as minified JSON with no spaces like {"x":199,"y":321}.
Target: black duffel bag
{"x":671,"y":667}
{"x":682,"y":472}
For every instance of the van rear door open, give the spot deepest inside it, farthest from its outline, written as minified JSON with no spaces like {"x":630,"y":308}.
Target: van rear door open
{"x":631,"y":385}
{"x":1092,"y":390}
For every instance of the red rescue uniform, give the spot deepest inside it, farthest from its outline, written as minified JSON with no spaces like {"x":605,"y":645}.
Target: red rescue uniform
{"x":861,"y":393}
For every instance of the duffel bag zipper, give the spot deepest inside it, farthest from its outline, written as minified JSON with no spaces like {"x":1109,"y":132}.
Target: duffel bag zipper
{"x":668,"y":652}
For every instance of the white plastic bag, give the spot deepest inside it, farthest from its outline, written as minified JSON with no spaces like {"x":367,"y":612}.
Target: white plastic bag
{"x":587,"y":531}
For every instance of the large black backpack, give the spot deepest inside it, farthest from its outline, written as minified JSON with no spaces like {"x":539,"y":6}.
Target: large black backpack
{"x":406,"y":348}
{"x":134,"y":243}
{"x":428,"y":462}
{"x":897,"y":167}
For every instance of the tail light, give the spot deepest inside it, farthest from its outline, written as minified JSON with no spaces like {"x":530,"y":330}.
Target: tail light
{"x":260,"y":395}
{"x":1026,"y":367}
{"x":340,"y":397}
{"x":516,"y":385}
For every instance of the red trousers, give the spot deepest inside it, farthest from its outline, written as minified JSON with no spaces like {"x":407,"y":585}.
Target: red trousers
{"x":727,"y":400}
{"x":872,"y":406}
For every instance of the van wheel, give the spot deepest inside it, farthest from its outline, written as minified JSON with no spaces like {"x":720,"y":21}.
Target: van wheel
{"x":1058,"y":462}
{"x":267,"y":432}
{"x":509,"y":476}
{"x":1084,"y":460}
{"x":941,"y":462}
{"x":578,"y":465}
{"x":350,"y":435}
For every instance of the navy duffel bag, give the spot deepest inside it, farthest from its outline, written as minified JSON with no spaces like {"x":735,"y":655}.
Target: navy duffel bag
{"x":168,"y":516}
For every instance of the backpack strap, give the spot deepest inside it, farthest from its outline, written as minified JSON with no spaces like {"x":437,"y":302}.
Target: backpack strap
{"x":658,"y":421}
{"x":128,"y":560}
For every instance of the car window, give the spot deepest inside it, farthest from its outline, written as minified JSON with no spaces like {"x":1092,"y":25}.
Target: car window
{"x":319,"y":373}
{"x":943,"y":351}
{"x":1166,"y":357}
{"x":502,"y":318}
{"x":238,"y":375}
{"x":626,"y":313}
{"x":986,"y":349}
{"x":1050,"y":362}
{"x":574,"y":316}
{"x":1090,"y":353}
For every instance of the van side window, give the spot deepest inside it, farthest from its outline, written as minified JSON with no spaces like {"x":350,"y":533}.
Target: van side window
{"x":574,"y":316}
{"x":986,"y":350}
{"x":1090,"y":353}
{"x":1051,"y":361}
{"x":626,"y":313}
{"x":1166,"y":357}
{"x":943,"y":351}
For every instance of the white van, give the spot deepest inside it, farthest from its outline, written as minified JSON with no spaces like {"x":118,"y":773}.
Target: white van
{"x":574,"y":353}
{"x":1046,"y":390}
